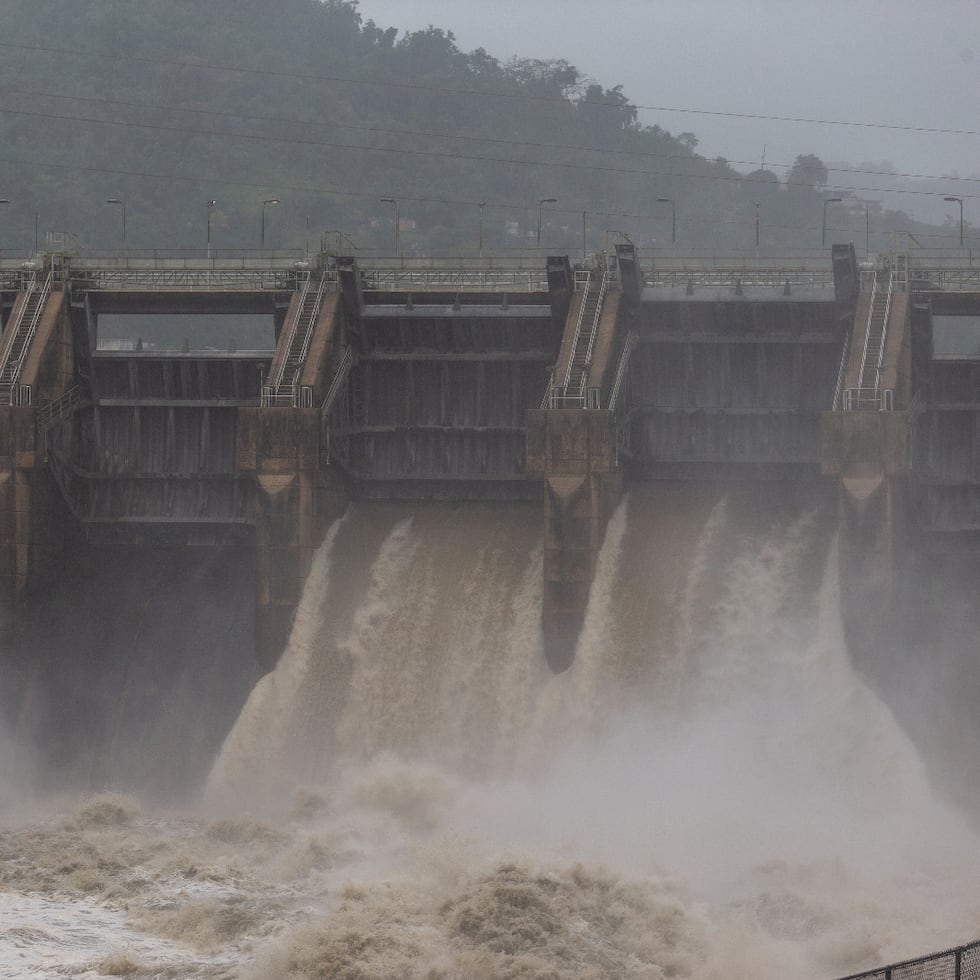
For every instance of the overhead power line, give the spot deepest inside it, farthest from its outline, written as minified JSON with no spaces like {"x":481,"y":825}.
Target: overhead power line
{"x":517,"y":96}
{"x":449,"y":156}
{"x":594,"y":211}
{"x":428,"y":134}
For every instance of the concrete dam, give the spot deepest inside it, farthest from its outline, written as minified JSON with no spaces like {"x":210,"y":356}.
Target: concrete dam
{"x":483,"y":381}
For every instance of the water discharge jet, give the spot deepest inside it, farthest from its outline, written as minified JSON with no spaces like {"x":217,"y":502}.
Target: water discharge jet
{"x":708,"y":789}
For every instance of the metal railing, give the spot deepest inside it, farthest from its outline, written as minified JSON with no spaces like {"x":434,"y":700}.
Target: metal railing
{"x":842,"y":373}
{"x":189,"y":279}
{"x":61,"y":407}
{"x":15,"y":330}
{"x":13,"y":325}
{"x":882,"y":339}
{"x":578,"y":330}
{"x":286,"y":396}
{"x":55,"y":412}
{"x":475,"y":280}
{"x":559,"y":398}
{"x":621,"y":370}
{"x":338,"y":379}
{"x":961,"y":963}
{"x":722,"y":278}
{"x":878,"y":399}
{"x":314,"y":314}
{"x":595,"y":323}
{"x":868,"y":396}
{"x":20,"y":395}
{"x":286,"y":343}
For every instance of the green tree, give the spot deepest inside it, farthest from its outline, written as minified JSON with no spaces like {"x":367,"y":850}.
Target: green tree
{"x":808,"y":172}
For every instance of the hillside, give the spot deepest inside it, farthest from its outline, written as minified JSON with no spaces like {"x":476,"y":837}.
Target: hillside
{"x":169,"y":104}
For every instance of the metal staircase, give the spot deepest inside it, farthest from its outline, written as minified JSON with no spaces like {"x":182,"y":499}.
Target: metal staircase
{"x":869,"y":394}
{"x":575,"y":392}
{"x":284,"y":388}
{"x":17,"y":343}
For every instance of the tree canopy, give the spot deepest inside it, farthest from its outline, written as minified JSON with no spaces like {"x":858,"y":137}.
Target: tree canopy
{"x":167,"y":104}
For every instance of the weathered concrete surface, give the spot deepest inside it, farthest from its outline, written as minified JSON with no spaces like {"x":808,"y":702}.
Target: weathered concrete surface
{"x":326,"y":346}
{"x":17,"y":459}
{"x":576,"y":452}
{"x":608,"y":342}
{"x":868,"y":451}
{"x":50,"y":365}
{"x":296,"y":497}
{"x":32,"y":515}
{"x":896,"y":369}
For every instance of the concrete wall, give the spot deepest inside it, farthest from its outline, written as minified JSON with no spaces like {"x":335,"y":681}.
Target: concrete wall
{"x":868,"y":452}
{"x":296,"y":497}
{"x":326,"y":347}
{"x":33,"y":518}
{"x":575,"y":450}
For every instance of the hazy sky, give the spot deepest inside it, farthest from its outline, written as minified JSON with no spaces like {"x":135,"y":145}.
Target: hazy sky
{"x":900,"y":63}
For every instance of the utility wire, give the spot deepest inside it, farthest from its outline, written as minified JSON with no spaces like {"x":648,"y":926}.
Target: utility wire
{"x":103,"y":56}
{"x":455,"y":157}
{"x":391,"y":131}
{"x":319,"y":189}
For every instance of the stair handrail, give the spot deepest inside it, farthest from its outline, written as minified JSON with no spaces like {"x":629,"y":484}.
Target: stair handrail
{"x":56,"y":411}
{"x":31,"y":330}
{"x":314,"y":314}
{"x":60,"y":407}
{"x":274,"y":384}
{"x":621,"y":369}
{"x":13,"y":327}
{"x":546,"y":398}
{"x":867,"y":330}
{"x":578,"y":331}
{"x":842,"y":373}
{"x":595,"y":326}
{"x":881,"y":349}
{"x":338,"y":379}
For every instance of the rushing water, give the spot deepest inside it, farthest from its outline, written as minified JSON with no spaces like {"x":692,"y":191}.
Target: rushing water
{"x":711,"y":791}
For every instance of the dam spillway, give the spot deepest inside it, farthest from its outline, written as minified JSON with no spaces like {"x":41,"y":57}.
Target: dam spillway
{"x":713,"y":601}
{"x":535,"y":380}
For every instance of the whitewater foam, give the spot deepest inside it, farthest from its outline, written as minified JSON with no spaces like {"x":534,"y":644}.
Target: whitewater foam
{"x":434,"y":804}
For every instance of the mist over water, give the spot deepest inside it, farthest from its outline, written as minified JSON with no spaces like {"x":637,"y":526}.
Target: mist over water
{"x":711,"y":790}
{"x":129,"y":666}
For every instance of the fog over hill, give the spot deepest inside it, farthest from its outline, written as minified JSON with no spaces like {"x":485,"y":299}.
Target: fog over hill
{"x":331,"y":108}
{"x":759,"y":75}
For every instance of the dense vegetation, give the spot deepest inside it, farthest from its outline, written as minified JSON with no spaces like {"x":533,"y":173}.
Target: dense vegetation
{"x":169,"y":104}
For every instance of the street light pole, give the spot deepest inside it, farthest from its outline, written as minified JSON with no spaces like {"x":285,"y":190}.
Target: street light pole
{"x":673,"y":220}
{"x":392,"y":200}
{"x":756,"y":229}
{"x":483,"y":204}
{"x":584,"y":213}
{"x":211,"y":206}
{"x":544,"y":200}
{"x":3,"y":200}
{"x":823,"y":227}
{"x":959,"y":201}
{"x":273,"y":201}
{"x":122,"y":204}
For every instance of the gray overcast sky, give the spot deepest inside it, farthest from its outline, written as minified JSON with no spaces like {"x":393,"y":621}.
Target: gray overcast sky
{"x":901,"y":63}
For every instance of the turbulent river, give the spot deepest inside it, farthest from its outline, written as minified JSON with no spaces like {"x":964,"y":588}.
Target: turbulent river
{"x":711,"y":791}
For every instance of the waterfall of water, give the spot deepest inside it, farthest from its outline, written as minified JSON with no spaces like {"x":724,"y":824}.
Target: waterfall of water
{"x":709,"y":791}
